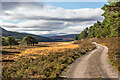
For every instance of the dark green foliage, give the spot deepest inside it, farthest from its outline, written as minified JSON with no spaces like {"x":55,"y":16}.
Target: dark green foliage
{"x":10,"y":40}
{"x":17,"y":41}
{"x":3,"y":40}
{"x":76,"y":37}
{"x":30,"y":40}
{"x":109,"y":27}
{"x":95,"y":30}
{"x":83,"y":34}
{"x":111,"y":22}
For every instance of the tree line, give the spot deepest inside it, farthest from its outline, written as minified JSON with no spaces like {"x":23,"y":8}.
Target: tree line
{"x":10,"y":40}
{"x":109,"y":27}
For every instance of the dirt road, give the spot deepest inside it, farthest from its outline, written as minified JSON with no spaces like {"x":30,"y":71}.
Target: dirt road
{"x":93,"y":65}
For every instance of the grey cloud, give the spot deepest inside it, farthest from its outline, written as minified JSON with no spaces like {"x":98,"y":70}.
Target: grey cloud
{"x":52,"y":24}
{"x":35,"y":29}
{"x":47,"y":26}
{"x":79,"y":19}
{"x":13,"y":5}
{"x":37,"y":5}
{"x":68,"y":19}
{"x":10,"y":26}
{"x":75,"y":19}
{"x":9,"y":5}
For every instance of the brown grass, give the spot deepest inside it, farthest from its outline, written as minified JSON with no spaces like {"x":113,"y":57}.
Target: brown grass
{"x":43,"y":48}
{"x":61,"y":47}
{"x":46,"y":66}
{"x":9,"y":53}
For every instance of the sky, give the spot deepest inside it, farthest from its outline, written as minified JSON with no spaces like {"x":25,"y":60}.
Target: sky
{"x":50,"y":18}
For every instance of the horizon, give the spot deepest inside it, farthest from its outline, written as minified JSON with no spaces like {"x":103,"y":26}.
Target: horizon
{"x":48,"y":19}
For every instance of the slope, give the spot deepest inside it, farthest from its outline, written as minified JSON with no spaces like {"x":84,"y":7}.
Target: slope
{"x":18,"y":35}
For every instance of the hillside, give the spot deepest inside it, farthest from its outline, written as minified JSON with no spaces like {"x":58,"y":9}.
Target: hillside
{"x":18,"y":35}
{"x":109,"y":27}
{"x":106,"y":32}
{"x":64,"y":37}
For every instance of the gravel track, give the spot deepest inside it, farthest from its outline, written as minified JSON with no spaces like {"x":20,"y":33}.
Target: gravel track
{"x":92,"y":65}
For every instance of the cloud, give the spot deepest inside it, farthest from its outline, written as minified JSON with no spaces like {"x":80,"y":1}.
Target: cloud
{"x":51,"y":13}
{"x":7,"y":24}
{"x":44,"y":19}
{"x":15,"y":5}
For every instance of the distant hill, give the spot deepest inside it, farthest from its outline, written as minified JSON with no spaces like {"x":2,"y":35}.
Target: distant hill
{"x":18,"y":35}
{"x":69,"y":37}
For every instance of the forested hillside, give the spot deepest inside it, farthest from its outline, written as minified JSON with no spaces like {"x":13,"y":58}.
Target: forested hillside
{"x":106,"y":32}
{"x":109,"y":27}
{"x":18,"y":35}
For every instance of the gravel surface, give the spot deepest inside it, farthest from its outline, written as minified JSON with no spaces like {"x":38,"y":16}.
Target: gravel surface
{"x":92,"y":65}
